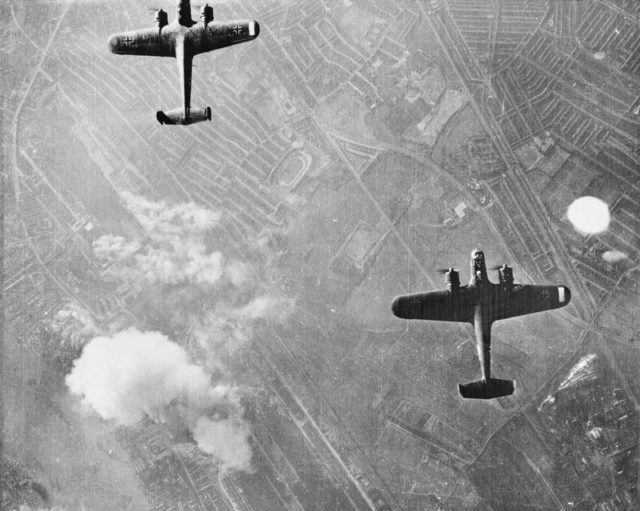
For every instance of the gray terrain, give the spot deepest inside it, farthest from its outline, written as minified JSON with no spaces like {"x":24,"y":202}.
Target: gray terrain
{"x":199,"y":317}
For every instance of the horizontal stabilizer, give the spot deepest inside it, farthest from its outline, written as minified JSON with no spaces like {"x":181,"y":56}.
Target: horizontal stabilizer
{"x":487,"y":389}
{"x":177,"y":116}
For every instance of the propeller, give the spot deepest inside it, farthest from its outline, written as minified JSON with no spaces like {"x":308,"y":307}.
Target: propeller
{"x":168,"y":5}
{"x":497,"y":267}
{"x":442,"y":271}
{"x":206,"y":12}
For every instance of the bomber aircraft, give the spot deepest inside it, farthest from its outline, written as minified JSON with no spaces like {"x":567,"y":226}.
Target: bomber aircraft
{"x":480,"y":303}
{"x":184,"y":39}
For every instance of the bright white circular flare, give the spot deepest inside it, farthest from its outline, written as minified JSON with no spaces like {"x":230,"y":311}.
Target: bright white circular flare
{"x":589,"y":215}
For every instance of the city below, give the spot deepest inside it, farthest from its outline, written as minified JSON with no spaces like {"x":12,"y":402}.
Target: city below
{"x":199,"y":317}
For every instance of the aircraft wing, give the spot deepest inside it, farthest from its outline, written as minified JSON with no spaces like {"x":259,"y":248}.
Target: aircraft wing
{"x":527,"y":299}
{"x":436,"y":306}
{"x":222,"y":34}
{"x":147,"y":41}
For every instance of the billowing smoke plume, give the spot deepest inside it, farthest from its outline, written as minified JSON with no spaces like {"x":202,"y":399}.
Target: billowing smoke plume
{"x":238,"y":273}
{"x":176,"y":250}
{"x":161,"y":219}
{"x":134,"y":374}
{"x":189,"y":287}
{"x":226,"y":329}
{"x":180,"y":254}
{"x":75,"y":324}
{"x":227,"y":439}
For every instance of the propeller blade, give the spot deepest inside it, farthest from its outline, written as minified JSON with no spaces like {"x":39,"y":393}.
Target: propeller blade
{"x":442,"y":271}
{"x":164,"y":5}
{"x":497,"y":267}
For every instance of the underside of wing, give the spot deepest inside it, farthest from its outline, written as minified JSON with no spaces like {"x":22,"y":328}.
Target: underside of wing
{"x":435,"y":306}
{"x":527,"y":299}
{"x":148,"y":41}
{"x":218,"y":35}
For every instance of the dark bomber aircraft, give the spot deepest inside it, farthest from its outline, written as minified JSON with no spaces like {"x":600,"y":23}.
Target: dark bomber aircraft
{"x":184,"y":39}
{"x":481,"y":302}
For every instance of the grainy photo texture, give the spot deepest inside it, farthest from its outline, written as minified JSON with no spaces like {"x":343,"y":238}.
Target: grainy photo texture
{"x":320,"y":255}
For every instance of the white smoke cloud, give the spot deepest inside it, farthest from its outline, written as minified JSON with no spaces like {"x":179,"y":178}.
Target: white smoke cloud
{"x":227,"y":439}
{"x":75,"y":324}
{"x":238,"y":273}
{"x":176,"y":251}
{"x":160,"y":218}
{"x":614,"y":256}
{"x":265,"y":307}
{"x":219,"y":300}
{"x":226,"y":329}
{"x":134,"y":374}
{"x":114,"y":247}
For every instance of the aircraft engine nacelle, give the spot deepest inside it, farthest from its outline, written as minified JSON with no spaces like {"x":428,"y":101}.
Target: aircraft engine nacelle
{"x":452,"y":280}
{"x":206,"y":14}
{"x":162,"y":19}
{"x":506,"y":276}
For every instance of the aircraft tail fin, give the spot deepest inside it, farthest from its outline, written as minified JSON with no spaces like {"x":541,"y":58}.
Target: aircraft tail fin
{"x":487,"y":389}
{"x":177,"y":116}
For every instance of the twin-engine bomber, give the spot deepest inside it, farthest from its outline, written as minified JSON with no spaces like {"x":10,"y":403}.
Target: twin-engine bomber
{"x":480,"y":303}
{"x":184,"y":39}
